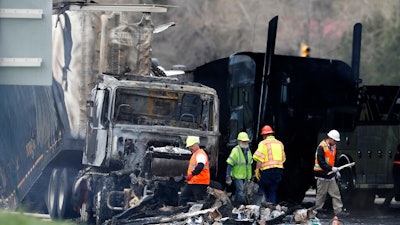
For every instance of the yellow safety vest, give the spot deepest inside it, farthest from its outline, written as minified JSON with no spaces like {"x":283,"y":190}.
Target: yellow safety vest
{"x":240,"y":169}
{"x":270,"y":153}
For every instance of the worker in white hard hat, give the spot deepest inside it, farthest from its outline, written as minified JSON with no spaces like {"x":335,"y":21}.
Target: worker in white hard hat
{"x":325,"y":157}
{"x":198,"y":173}
{"x":239,"y":166}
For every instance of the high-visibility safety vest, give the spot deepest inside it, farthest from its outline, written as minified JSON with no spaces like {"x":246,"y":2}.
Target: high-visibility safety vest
{"x":204,"y":176}
{"x":240,"y":168}
{"x":328,"y":155}
{"x":270,"y":153}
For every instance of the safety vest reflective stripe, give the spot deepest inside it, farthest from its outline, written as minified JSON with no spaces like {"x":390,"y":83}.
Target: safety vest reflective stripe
{"x":240,"y":163}
{"x":259,"y":154}
{"x":396,"y":162}
{"x":271,"y":163}
{"x":237,"y":162}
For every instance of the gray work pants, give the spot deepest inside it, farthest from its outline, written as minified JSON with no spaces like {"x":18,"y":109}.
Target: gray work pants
{"x":330,"y":187}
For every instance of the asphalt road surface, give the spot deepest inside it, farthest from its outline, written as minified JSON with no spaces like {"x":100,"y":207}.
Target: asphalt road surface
{"x":368,"y":215}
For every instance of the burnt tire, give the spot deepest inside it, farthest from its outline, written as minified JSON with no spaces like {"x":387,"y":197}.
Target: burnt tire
{"x":64,"y":197}
{"x":105,"y":186}
{"x":52,"y":194}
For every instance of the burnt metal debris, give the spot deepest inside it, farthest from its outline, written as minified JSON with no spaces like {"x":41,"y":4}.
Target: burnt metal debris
{"x":217,"y":208}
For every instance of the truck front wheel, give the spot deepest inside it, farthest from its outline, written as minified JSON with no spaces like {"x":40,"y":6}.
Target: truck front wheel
{"x":104,"y":186}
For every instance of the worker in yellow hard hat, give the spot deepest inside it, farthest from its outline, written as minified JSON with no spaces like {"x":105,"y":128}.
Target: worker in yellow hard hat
{"x":239,"y":166}
{"x":270,"y":156}
{"x":198,"y":173}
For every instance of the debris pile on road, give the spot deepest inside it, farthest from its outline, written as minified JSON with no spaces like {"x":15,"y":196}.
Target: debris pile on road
{"x":216,"y":209}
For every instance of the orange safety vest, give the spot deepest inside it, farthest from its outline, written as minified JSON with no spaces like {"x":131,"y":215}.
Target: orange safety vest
{"x":270,"y":153}
{"x":204,"y":176}
{"x":329,"y":156}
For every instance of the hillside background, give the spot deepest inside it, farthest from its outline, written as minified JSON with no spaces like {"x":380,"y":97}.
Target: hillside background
{"x":207,"y":30}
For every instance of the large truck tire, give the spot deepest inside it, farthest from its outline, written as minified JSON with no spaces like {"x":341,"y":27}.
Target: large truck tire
{"x":104,"y":186}
{"x":346,"y":182}
{"x":82,"y":200}
{"x":64,"y":194}
{"x":346,"y":186}
{"x":52,"y":194}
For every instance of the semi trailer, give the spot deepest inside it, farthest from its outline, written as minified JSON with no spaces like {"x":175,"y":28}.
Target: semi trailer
{"x":110,"y":130}
{"x":303,"y":98}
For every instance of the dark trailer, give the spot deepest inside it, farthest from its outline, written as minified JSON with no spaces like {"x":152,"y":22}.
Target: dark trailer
{"x":301,"y":98}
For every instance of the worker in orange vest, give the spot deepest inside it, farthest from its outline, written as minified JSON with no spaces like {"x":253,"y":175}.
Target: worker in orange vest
{"x":198,"y":173}
{"x":325,"y":157}
{"x":270,"y":156}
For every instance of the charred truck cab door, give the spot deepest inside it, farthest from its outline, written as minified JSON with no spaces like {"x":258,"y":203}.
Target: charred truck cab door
{"x":96,"y":143}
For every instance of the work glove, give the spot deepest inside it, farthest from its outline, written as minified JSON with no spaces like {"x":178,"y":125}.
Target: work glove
{"x":335,"y":169}
{"x":228,"y":180}
{"x":257,"y":174}
{"x":189,"y":177}
{"x":338,"y":175}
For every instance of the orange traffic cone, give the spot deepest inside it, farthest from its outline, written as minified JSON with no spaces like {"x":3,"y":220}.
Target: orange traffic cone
{"x":335,"y":221}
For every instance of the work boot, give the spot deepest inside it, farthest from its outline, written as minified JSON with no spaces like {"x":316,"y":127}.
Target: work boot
{"x":321,"y":215}
{"x":342,"y":214}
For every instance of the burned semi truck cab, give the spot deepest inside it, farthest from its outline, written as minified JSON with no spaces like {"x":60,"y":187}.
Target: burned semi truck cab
{"x":136,"y":140}
{"x":127,"y":118}
{"x":138,"y":118}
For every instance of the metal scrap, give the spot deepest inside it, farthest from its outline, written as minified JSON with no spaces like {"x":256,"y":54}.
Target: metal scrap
{"x":215,"y":210}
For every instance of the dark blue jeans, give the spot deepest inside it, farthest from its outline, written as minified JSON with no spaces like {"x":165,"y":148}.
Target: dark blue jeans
{"x":269,"y":183}
{"x":239,"y":195}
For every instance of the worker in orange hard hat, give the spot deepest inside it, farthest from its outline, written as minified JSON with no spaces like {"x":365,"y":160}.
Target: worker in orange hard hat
{"x":270,"y":156}
{"x":198,"y":173}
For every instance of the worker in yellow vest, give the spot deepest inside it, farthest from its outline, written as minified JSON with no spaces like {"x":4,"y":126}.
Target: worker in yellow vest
{"x":270,"y":156}
{"x":198,"y":173}
{"x":239,"y":166}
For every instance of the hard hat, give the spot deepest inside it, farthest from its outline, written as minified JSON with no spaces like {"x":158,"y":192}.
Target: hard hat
{"x":334,"y":134}
{"x":267,"y":130}
{"x":191,"y":140}
{"x":242,"y":136}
